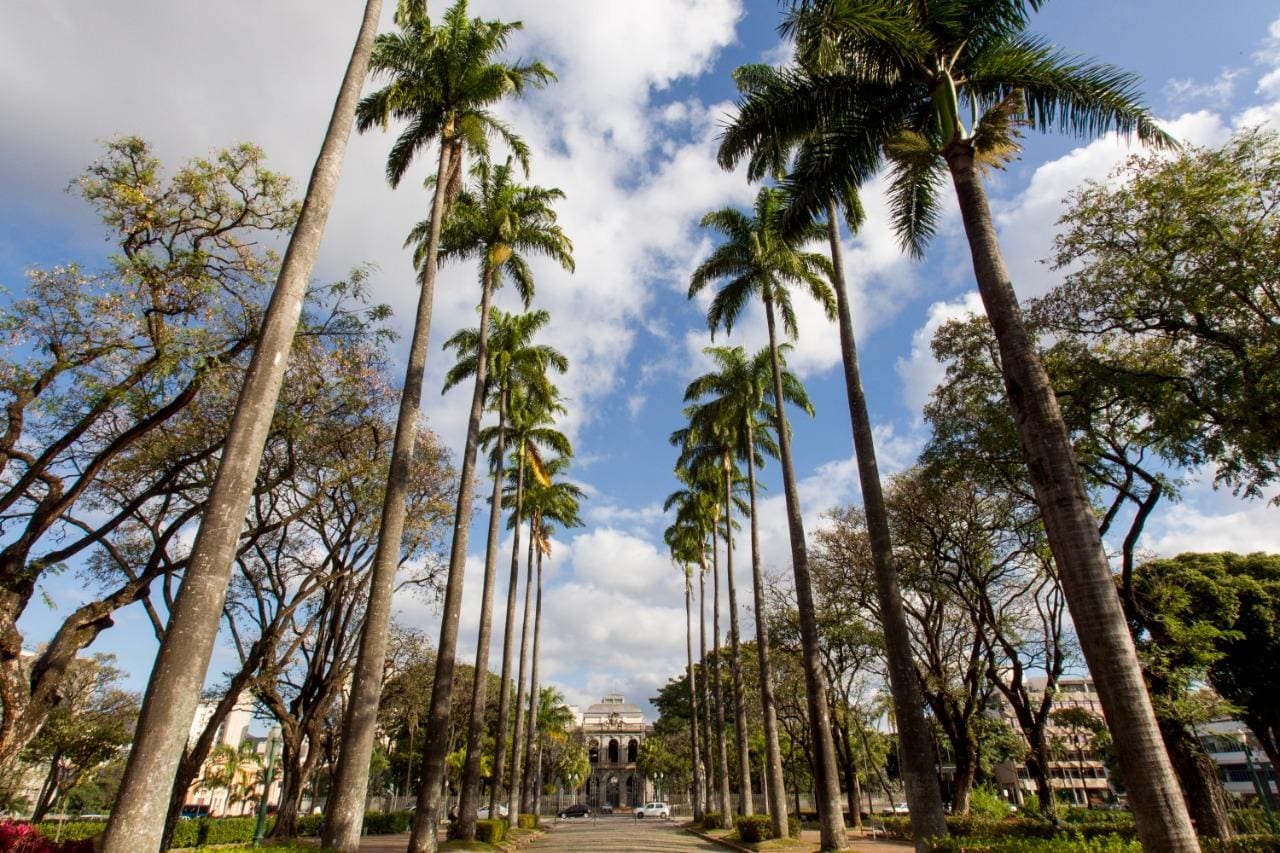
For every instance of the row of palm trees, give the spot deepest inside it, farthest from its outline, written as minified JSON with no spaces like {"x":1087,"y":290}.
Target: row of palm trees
{"x":886,"y":84}
{"x":441,"y":81}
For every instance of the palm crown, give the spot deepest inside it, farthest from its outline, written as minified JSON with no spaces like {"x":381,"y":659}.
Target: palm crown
{"x":758,"y":258}
{"x":442,"y":80}
{"x":895,"y":78}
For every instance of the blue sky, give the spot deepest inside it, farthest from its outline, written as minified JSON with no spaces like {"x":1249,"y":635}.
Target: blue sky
{"x":629,"y":134}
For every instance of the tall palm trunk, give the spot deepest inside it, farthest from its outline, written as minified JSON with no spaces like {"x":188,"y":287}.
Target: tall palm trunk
{"x":504,"y":699}
{"x":826,"y":779}
{"x":529,"y":784}
{"x":436,"y":747}
{"x":1159,"y":811}
{"x":694,"y":717}
{"x":513,"y":794}
{"x":776,"y":794}
{"x":470,"y":795}
{"x":138,"y":817}
{"x":745,"y":804}
{"x":717,"y":687}
{"x":918,"y":774}
{"x":713,"y":778}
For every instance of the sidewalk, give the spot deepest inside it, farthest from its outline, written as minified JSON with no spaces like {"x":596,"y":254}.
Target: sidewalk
{"x":812,"y":839}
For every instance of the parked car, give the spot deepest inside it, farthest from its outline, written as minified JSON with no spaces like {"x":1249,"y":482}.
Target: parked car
{"x":661,"y":810}
{"x":194,"y":811}
{"x":898,"y":808}
{"x":607,"y":808}
{"x":578,"y":810}
{"x":483,"y":813}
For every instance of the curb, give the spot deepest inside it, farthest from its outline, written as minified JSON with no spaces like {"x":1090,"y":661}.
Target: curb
{"x":730,"y":845}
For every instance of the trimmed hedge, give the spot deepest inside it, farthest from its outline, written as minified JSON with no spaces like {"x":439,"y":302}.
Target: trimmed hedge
{"x":527,"y":821}
{"x":309,"y":824}
{"x":960,"y":826}
{"x":712,"y":820}
{"x":491,"y":831}
{"x":72,"y":830}
{"x":1108,"y":844}
{"x":217,"y":830}
{"x":753,"y":828}
{"x":1242,"y":844}
{"x":387,"y":823}
{"x":22,"y":837}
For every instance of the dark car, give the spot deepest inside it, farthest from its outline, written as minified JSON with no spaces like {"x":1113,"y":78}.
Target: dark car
{"x":578,"y":810}
{"x":194,"y":811}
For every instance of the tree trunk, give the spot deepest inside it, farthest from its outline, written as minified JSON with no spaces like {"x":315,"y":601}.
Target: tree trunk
{"x":1160,"y":814}
{"x":137,"y":819}
{"x":713,"y":780}
{"x":286,"y":825}
{"x":513,"y":793}
{"x":529,"y":785}
{"x":439,"y":731}
{"x":717,"y":687}
{"x":469,"y":797}
{"x":826,"y":776}
{"x":693,"y":701}
{"x":508,"y":638}
{"x":745,"y":805}
{"x":1198,"y":775}
{"x":920,"y":785}
{"x":776,"y":796}
{"x":853,"y":791}
{"x":966,"y":755}
{"x":48,"y":791}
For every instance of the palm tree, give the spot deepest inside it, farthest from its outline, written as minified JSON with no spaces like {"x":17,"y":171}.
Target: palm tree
{"x":699,"y":506}
{"x":758,"y":259}
{"x":738,"y":397}
{"x":765,"y":85}
{"x":442,"y":82}
{"x":686,"y":541}
{"x":708,"y":442}
{"x":893,"y":77}
{"x":557,"y":501}
{"x":514,"y":363}
{"x":138,"y":817}
{"x":530,"y":429}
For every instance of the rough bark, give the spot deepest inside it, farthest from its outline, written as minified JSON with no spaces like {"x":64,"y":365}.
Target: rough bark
{"x":775,"y":792}
{"x":439,"y":731}
{"x":1198,"y":775}
{"x":923,"y":797}
{"x":138,"y":817}
{"x":745,"y":804}
{"x":1160,"y":814}
{"x":508,"y":639}
{"x":469,"y":796}
{"x":826,"y":775}
{"x":713,"y":779}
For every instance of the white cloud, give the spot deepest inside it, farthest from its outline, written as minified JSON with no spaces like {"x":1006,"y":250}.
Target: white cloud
{"x":920,"y":371}
{"x":1216,"y":93}
{"x":1210,"y":520}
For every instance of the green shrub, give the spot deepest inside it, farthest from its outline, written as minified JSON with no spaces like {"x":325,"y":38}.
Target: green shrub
{"x":492,"y":831}
{"x":309,"y":824}
{"x":72,"y":830}
{"x":712,"y":820}
{"x":897,"y":827}
{"x":1242,"y":844}
{"x":232,"y":830}
{"x":188,"y":833}
{"x":986,"y":802}
{"x":1252,"y":821}
{"x":793,"y":826}
{"x":1031,"y":804}
{"x":753,"y":828}
{"x":1107,"y":844}
{"x":527,"y":821}
{"x":387,"y":823}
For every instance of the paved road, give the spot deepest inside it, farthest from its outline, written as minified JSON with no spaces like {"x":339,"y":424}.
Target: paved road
{"x":617,"y":834}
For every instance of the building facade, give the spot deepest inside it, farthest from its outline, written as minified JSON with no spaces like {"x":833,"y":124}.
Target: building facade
{"x":612,"y":730}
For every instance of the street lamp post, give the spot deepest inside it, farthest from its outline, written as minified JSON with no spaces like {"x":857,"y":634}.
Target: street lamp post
{"x":1263,"y":791}
{"x":261,"y":831}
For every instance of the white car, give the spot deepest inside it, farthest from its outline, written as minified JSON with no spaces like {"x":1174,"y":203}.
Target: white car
{"x":661,"y":810}
{"x":483,"y":813}
{"x":899,"y":808}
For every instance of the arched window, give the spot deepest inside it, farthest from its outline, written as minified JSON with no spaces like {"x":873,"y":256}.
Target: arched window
{"x":613,"y":750}
{"x":594,"y":752}
{"x":633,"y":748}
